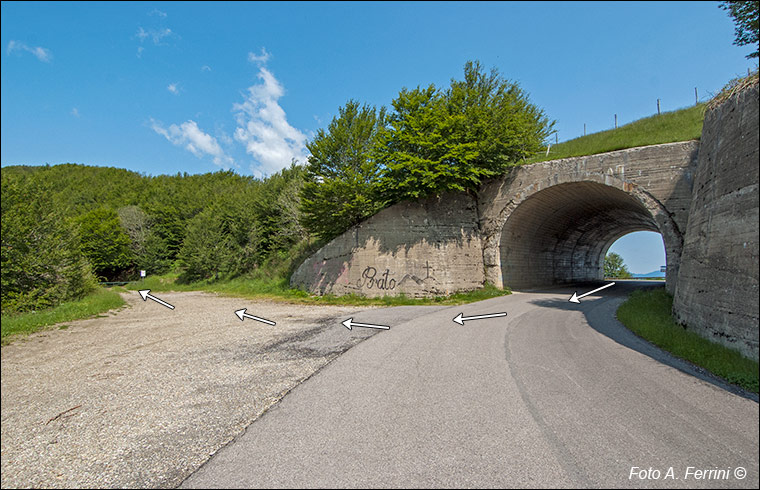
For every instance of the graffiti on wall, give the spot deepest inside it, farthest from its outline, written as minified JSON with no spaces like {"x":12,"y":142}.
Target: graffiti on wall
{"x":372,"y":278}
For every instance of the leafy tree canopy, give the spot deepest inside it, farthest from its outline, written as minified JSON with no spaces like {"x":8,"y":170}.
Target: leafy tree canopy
{"x":614,"y":266}
{"x":105,"y":242}
{"x":453,"y":139}
{"x":41,"y":264}
{"x":343,"y":173}
{"x":745,"y":15}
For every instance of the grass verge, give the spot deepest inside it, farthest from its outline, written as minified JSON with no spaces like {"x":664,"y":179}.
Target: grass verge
{"x":648,"y":314}
{"x":278,"y":289}
{"x":99,"y":301}
{"x":668,"y":127}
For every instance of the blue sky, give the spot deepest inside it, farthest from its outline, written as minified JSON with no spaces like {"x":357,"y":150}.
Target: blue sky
{"x":161,"y":88}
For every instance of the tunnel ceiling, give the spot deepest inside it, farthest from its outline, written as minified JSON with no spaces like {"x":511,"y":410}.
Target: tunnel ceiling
{"x":561,"y":234}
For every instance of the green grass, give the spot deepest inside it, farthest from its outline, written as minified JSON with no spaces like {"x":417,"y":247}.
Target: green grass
{"x":278,"y":289}
{"x":648,"y":314}
{"x":98,"y":302}
{"x":668,"y":127}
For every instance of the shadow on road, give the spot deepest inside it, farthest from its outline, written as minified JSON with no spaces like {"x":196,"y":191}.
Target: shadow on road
{"x":600,"y":313}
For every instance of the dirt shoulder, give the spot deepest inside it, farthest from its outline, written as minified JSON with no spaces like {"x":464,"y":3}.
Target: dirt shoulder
{"x":142,"y":397}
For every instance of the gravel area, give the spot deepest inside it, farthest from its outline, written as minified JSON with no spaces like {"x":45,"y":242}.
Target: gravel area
{"x":142,"y":397}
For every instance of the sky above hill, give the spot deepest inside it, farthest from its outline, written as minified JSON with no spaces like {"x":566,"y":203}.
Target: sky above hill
{"x":161,"y":88}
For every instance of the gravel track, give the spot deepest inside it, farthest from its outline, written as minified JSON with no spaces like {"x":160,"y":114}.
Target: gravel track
{"x":144,"y":396}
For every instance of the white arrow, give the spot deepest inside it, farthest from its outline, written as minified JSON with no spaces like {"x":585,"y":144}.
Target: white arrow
{"x":242,"y":313}
{"x":577,"y":299}
{"x":145,"y":296}
{"x":349,"y":325}
{"x":461,"y":319}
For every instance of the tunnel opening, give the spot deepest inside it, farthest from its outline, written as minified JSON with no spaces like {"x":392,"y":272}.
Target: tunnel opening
{"x":561,"y":234}
{"x":642,"y":253}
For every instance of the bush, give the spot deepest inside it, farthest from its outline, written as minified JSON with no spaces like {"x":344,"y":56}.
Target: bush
{"x":41,"y":263}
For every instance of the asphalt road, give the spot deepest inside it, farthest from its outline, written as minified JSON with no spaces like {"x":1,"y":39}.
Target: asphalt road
{"x":554,"y":394}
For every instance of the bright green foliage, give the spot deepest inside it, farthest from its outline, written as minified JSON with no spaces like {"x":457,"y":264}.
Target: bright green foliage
{"x":206,"y":249}
{"x":164,"y":240}
{"x":342,"y":174}
{"x":100,"y":301}
{"x":276,"y":211}
{"x":451,"y":140}
{"x":249,"y":223}
{"x":136,"y":223}
{"x":746,"y":15}
{"x":614,"y":266}
{"x":41,"y":264}
{"x":105,"y":243}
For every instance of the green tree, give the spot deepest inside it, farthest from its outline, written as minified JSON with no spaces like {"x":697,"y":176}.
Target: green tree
{"x":136,"y":224}
{"x":745,"y":15}
{"x":105,"y":243}
{"x":614,"y":266}
{"x":453,"y":139}
{"x":207,"y":248}
{"x":342,"y":172}
{"x":164,"y":241}
{"x":41,"y":264}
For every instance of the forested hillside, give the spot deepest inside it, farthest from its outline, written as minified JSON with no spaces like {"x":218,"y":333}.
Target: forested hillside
{"x":65,"y":227}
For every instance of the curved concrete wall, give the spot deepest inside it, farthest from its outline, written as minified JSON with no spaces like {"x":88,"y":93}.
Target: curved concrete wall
{"x":717,"y":291}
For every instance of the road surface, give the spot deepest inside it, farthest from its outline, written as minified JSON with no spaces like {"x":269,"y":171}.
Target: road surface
{"x":553,"y":394}
{"x":139,"y":398}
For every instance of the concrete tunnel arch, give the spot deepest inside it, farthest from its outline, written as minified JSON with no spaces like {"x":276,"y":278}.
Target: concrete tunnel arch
{"x":560,"y":234}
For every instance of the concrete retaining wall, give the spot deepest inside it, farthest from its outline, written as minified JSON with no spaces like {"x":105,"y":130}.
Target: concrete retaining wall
{"x":426,"y":248}
{"x":717,"y":290}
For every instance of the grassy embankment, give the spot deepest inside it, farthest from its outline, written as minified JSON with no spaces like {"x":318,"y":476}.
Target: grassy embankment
{"x":100,"y":301}
{"x":668,"y":127}
{"x":648,"y":314}
{"x":276,"y":288}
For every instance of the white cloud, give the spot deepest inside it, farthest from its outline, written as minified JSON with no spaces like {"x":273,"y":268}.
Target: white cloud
{"x":189,"y":135}
{"x":42,"y":54}
{"x":264,"y":129}
{"x":173,"y":88}
{"x":205,"y":68}
{"x":140,"y":50}
{"x":75,"y":112}
{"x":226,"y":140}
{"x":154,"y":35}
{"x":260,"y":58}
{"x":158,"y":13}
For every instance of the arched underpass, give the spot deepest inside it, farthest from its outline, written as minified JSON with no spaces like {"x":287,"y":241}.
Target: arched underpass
{"x":561,"y":234}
